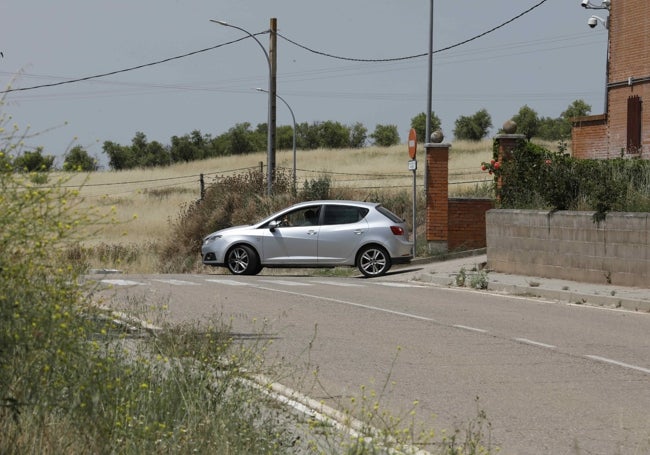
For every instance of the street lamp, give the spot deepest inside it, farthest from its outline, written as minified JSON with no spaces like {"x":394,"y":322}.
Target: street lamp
{"x":270,"y":165}
{"x":293,"y":117}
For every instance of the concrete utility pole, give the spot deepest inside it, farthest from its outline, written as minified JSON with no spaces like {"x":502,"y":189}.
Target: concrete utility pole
{"x":427,"y":134}
{"x":273,"y":60}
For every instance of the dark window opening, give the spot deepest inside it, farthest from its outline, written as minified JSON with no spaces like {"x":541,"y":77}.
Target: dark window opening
{"x":634,"y":124}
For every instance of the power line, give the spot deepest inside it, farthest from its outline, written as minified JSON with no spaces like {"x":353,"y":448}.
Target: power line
{"x":396,"y":59}
{"x":325,"y":54}
{"x":112,"y":73}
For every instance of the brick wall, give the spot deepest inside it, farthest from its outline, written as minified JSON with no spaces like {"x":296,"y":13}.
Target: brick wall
{"x":589,"y":137}
{"x":467,"y":223}
{"x":451,"y":224}
{"x":569,"y":245}
{"x":437,"y":192}
{"x":628,"y":72}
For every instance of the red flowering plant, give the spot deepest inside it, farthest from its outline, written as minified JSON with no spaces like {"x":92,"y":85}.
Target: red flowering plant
{"x":493,"y":167}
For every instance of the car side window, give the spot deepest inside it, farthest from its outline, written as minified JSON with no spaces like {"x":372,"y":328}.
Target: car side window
{"x":306,"y":216}
{"x":343,"y":214}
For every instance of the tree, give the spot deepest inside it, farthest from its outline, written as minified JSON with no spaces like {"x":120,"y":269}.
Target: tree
{"x":334,"y":135}
{"x":284,"y":137}
{"x":120,"y":157}
{"x":358,"y":135}
{"x":242,"y":139}
{"x":419,"y":123}
{"x":78,"y":160}
{"x":308,"y":137}
{"x":473,"y":128}
{"x":576,"y":109}
{"x":155,"y":154}
{"x":527,"y":122}
{"x":190,"y":147}
{"x":555,"y":129}
{"x":34,"y":161}
{"x":385,"y":135}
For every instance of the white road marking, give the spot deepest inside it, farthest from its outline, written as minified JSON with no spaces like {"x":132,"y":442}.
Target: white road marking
{"x":121,"y":282}
{"x":616,"y":362}
{"x":401,"y":285}
{"x":176,"y":282}
{"x":471,"y":329}
{"x":358,"y":305}
{"x":535,"y":343}
{"x":286,"y":283}
{"x":228,"y":282}
{"x":339,"y":283}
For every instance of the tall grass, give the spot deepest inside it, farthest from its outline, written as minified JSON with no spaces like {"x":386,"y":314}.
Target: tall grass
{"x":77,"y":377}
{"x":147,"y":204}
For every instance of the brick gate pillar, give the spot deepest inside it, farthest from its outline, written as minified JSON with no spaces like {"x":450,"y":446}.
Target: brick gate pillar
{"x":437,"y":222}
{"x":505,"y":144}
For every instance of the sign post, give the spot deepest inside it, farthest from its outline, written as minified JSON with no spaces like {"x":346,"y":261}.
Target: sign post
{"x":413,"y":166}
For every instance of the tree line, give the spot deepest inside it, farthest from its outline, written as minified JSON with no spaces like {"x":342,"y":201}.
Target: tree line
{"x":243,"y":139}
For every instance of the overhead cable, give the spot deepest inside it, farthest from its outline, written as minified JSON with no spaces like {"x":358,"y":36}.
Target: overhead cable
{"x":325,"y":54}
{"x":397,"y":59}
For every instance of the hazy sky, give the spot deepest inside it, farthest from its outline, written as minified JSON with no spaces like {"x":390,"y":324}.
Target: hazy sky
{"x":546,"y":59}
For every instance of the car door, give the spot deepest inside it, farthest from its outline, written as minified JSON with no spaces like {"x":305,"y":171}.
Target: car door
{"x":343,"y":228}
{"x":295,"y":240}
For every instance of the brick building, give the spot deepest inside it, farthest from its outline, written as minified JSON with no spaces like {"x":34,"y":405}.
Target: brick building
{"x":624,"y":130}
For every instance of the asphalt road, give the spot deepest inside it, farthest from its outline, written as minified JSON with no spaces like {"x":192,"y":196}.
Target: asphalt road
{"x":551,"y":377}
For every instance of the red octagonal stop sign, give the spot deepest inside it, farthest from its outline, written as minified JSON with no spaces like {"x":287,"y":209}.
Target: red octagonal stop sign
{"x":413,"y":142}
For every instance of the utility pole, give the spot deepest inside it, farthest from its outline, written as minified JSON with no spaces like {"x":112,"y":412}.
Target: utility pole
{"x":273,"y":56}
{"x":427,"y":134}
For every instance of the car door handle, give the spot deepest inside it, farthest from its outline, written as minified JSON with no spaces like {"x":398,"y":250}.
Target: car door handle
{"x":358,"y":232}
{"x":312,"y":232}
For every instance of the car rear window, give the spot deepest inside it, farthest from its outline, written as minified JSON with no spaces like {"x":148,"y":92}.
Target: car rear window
{"x":388,"y":214}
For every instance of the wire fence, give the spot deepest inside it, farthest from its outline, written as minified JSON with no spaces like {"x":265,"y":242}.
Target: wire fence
{"x":196,"y":183}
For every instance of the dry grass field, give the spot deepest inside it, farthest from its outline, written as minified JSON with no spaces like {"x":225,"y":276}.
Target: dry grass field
{"x":146,"y":201}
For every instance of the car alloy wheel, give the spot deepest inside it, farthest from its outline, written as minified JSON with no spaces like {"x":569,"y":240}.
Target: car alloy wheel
{"x":242,"y":260}
{"x":373,"y":261}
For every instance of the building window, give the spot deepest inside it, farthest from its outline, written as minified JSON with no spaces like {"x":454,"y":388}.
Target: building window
{"x":634,"y":124}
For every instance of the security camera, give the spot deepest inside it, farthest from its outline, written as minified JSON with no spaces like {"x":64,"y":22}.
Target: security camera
{"x":605,"y":4}
{"x":585,"y":3}
{"x":592,"y":22}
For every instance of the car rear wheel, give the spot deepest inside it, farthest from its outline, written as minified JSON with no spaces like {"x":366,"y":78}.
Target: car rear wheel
{"x":243,"y":260}
{"x":373,"y":261}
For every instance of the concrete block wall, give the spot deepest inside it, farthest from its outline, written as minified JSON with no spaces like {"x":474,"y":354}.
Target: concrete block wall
{"x":570,"y":245}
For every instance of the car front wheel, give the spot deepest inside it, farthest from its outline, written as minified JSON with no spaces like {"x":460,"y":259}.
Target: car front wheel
{"x":373,"y":261}
{"x":243,"y":260}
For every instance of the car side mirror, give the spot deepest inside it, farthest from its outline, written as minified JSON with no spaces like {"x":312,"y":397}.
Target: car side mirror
{"x":273,"y":224}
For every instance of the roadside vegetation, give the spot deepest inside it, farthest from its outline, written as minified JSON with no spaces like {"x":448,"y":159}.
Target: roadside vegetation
{"x":541,"y":179}
{"x":77,"y":377}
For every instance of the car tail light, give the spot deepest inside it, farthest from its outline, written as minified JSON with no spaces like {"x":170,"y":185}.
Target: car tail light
{"x":397,"y":230}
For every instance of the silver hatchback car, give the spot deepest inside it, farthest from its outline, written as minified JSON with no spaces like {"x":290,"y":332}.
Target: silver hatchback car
{"x":314,"y":234}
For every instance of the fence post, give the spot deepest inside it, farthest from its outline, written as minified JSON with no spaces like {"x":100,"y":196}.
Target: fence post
{"x":202,"y":183}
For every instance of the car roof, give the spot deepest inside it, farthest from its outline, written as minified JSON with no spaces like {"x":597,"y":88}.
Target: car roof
{"x":336,"y":201}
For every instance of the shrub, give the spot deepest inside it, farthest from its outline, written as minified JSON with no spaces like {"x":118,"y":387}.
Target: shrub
{"x":535,"y":178}
{"x":385,"y":135}
{"x":228,"y":201}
